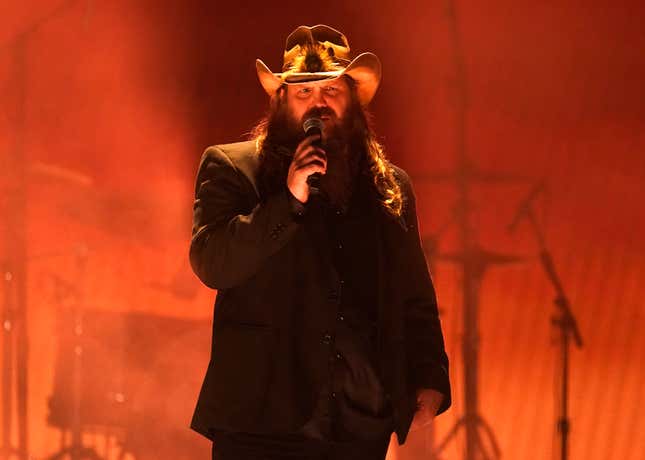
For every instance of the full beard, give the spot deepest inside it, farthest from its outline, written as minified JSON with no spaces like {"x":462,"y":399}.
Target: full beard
{"x":284,"y":133}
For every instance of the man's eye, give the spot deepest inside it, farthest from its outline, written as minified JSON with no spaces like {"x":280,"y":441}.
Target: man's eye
{"x":331,"y":89}
{"x":304,"y":91}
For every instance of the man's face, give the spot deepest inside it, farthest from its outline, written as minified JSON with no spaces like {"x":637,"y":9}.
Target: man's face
{"x":325,"y":99}
{"x":333,"y":103}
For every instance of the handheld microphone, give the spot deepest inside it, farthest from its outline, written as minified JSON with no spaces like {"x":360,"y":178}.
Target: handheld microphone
{"x":313,"y":126}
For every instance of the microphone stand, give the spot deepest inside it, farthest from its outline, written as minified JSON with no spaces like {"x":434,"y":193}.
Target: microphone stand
{"x":565,"y":322}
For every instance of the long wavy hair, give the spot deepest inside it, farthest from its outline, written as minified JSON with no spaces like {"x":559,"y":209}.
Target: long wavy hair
{"x":276,"y":153}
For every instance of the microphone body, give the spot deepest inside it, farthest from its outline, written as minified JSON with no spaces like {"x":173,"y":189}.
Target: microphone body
{"x":313,"y":126}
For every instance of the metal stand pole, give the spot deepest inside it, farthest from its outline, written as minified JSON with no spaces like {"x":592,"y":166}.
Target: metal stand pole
{"x":564,"y":321}
{"x":14,"y":320}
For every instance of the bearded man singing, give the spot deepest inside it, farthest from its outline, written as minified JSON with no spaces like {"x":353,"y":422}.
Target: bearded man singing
{"x":326,"y":335}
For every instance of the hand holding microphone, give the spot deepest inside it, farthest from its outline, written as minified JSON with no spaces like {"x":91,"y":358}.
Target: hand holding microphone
{"x":309,"y":162}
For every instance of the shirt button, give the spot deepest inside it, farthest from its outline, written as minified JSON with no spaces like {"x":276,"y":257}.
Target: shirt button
{"x":340,"y":246}
{"x":338,"y":356}
{"x":341,"y":317}
{"x":333,"y":394}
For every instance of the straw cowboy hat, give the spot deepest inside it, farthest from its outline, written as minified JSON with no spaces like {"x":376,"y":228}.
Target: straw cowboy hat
{"x":321,"y":53}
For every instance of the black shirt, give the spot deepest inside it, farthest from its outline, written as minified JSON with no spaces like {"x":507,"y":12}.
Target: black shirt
{"x":352,"y":404}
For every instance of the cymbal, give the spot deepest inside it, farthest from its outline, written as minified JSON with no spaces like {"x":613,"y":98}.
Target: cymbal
{"x":58,"y":172}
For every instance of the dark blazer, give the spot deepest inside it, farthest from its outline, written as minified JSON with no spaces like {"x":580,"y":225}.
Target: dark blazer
{"x":272,"y":283}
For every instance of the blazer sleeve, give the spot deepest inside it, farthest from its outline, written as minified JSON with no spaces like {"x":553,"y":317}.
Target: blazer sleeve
{"x":230,"y":240}
{"x":427,"y":358}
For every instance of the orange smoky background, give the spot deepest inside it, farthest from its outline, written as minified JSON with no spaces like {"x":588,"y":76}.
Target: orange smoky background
{"x":106,"y":107}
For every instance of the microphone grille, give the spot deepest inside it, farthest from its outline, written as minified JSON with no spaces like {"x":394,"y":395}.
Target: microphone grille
{"x":313,"y":123}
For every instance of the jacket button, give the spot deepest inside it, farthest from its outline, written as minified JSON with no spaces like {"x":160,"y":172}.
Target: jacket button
{"x":333,"y":295}
{"x":326,"y":339}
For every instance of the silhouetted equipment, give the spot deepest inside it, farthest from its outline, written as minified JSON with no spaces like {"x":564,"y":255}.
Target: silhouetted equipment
{"x":14,"y":175}
{"x":564,"y":320}
{"x":13,"y":208}
{"x":140,"y":377}
{"x":471,"y":257}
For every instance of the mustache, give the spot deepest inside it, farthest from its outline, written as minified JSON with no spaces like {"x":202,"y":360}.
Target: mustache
{"x":317,"y":112}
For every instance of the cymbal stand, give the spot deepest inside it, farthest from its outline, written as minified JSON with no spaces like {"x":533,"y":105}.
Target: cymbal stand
{"x":471,"y":257}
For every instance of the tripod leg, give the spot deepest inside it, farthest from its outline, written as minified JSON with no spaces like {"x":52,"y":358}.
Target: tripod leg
{"x":451,"y":434}
{"x":480,"y":446}
{"x":491,"y":438}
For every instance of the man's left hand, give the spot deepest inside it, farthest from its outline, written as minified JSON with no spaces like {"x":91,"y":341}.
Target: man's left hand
{"x":428,"y":402}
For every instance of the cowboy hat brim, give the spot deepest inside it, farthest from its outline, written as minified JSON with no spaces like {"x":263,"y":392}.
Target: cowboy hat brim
{"x":365,"y":70}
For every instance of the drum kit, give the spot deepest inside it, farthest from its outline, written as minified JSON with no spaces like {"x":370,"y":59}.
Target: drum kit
{"x":124,"y":383}
{"x":139,"y":376}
